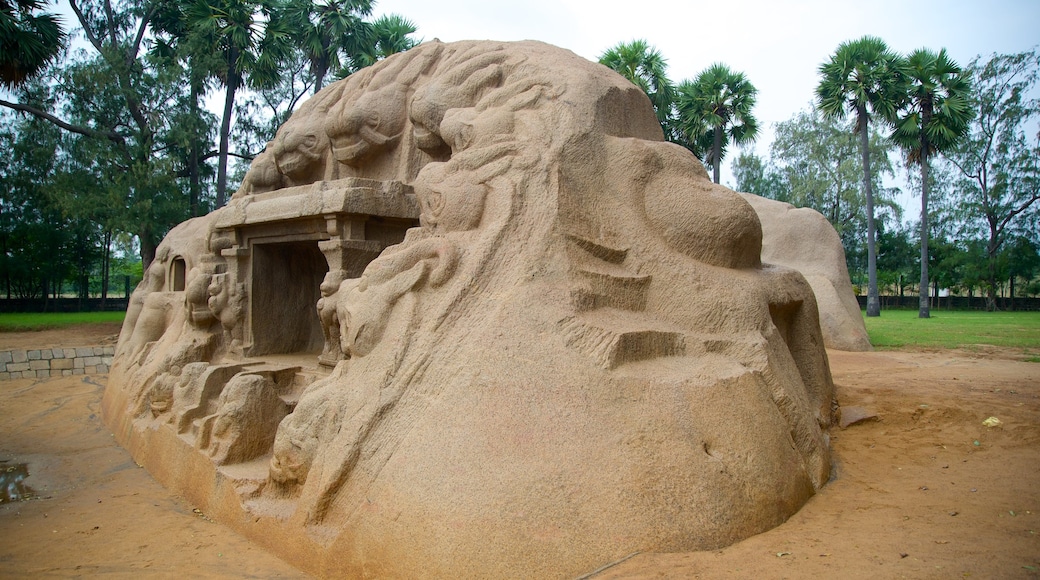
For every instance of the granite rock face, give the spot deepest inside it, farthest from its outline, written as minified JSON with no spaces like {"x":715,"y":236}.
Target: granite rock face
{"x":470,"y":316}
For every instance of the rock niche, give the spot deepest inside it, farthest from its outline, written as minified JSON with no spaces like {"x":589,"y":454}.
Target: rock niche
{"x":470,"y":316}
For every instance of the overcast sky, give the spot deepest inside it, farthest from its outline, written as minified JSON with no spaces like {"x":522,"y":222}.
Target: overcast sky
{"x":777,"y":44}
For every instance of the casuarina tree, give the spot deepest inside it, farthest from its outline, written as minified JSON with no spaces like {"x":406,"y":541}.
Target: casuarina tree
{"x":999,"y":158}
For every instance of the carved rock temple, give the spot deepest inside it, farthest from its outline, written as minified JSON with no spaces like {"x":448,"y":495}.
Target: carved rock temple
{"x":470,"y":316}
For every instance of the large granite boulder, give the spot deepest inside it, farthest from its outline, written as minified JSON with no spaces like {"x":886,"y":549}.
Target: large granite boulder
{"x":802,"y":239}
{"x":470,"y":316}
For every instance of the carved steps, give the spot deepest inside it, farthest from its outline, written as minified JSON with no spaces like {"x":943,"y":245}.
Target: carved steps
{"x":609,"y":298}
{"x":612,"y":337}
{"x":601,"y":278}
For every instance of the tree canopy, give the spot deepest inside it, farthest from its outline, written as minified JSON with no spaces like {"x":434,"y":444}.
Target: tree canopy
{"x":29,"y":40}
{"x":716,"y":108}
{"x":998,"y":161}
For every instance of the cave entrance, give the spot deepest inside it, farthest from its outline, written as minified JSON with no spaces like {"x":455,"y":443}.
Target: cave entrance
{"x":286,"y":280}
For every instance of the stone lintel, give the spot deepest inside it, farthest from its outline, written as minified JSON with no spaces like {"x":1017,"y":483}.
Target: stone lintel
{"x":390,"y":199}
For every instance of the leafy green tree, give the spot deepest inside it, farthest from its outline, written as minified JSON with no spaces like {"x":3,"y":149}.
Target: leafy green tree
{"x":29,"y":40}
{"x":253,"y":38}
{"x":895,"y":256}
{"x":819,"y":160}
{"x":934,"y":118}
{"x":760,"y":177}
{"x":41,"y":245}
{"x":999,"y":159}
{"x":945,"y":265}
{"x":174,"y":45}
{"x":115,"y":105}
{"x":1023,"y":262}
{"x":716,"y":107}
{"x":863,"y":78}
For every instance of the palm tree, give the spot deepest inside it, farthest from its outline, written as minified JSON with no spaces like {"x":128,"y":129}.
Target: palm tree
{"x":28,"y":41}
{"x":864,"y":78}
{"x":643,"y":66}
{"x":935,"y":117}
{"x":252,"y":39}
{"x":324,"y":31}
{"x":715,"y":108}
{"x":388,"y":35}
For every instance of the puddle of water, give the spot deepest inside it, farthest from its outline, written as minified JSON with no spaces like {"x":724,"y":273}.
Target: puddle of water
{"x":12,"y":486}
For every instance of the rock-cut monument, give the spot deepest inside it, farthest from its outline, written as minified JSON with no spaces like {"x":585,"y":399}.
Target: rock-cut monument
{"x":470,"y":316}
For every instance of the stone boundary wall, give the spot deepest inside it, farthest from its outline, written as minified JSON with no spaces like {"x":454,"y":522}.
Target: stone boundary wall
{"x":42,"y":363}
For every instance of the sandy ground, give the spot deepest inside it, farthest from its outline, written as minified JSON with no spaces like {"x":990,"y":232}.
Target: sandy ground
{"x":925,"y":490}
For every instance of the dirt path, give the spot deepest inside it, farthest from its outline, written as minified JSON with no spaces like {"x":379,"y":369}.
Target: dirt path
{"x":924,"y":491}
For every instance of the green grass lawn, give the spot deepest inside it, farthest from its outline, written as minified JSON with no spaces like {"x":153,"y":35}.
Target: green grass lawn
{"x":956,"y":329}
{"x":31,"y":321}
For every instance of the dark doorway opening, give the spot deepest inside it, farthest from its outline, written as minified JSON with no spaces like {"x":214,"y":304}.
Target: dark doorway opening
{"x":286,"y":282}
{"x":177,"y":272}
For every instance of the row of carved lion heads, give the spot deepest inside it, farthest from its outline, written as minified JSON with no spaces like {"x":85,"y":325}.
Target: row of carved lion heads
{"x":352,"y":128}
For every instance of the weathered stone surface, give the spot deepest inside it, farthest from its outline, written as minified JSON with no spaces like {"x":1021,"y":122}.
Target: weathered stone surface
{"x":852,"y":415}
{"x":469,"y":316}
{"x":802,"y":239}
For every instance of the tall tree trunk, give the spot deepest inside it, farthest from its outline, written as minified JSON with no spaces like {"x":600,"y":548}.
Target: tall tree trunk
{"x":991,"y":273}
{"x":716,"y":152}
{"x":924,"y":304}
{"x":225,"y":128}
{"x":873,"y":301}
{"x":147,"y":248}
{"x":194,"y":180}
{"x":7,"y":270}
{"x":106,"y":260}
{"x":320,"y":69}
{"x":1011,"y":292}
